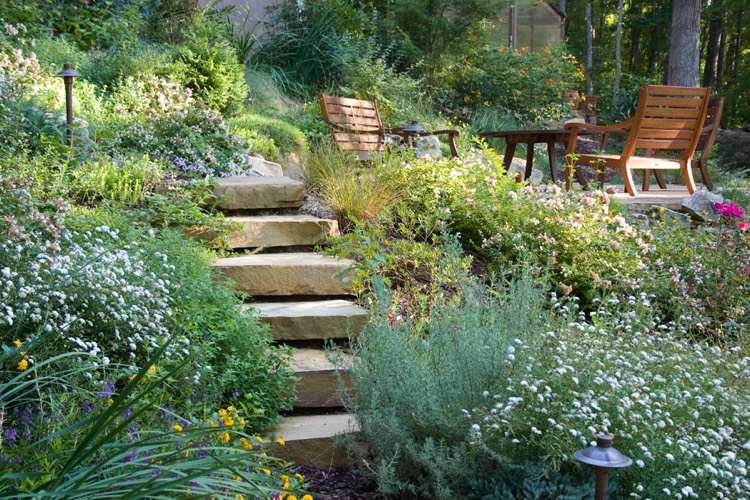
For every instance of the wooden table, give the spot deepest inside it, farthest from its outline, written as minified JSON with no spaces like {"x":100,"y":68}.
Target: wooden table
{"x":531,"y":137}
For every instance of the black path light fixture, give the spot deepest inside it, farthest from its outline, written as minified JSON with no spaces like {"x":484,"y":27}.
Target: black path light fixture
{"x":67,"y":74}
{"x":602,"y":457}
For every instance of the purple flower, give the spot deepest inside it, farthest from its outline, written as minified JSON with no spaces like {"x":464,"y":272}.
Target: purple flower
{"x":86,"y":406}
{"x":107,"y":391}
{"x":10,"y":435}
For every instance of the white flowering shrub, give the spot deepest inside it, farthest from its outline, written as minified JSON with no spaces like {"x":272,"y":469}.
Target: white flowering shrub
{"x":118,"y":293}
{"x":113,"y":303}
{"x":680,"y":410}
{"x":492,"y":397}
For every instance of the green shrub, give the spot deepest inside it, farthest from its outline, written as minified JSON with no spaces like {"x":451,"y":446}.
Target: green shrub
{"x":287,"y":137}
{"x":127,"y":181}
{"x":491,"y":397}
{"x":210,"y":67}
{"x":528,"y":84}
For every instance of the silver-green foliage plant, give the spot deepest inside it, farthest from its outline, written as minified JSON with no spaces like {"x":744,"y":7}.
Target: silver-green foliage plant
{"x":412,"y":392}
{"x":491,"y":398}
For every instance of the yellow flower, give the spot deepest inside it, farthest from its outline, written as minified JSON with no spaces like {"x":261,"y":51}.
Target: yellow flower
{"x":299,"y":477}
{"x":246,"y":444}
{"x":110,"y":401}
{"x":222,"y":412}
{"x":17,"y":343}
{"x":227,"y":421}
{"x":307,"y":497}
{"x":258,"y":439}
{"x":282,"y":495}
{"x":177,"y":427}
{"x":263,"y":470}
{"x":291,"y":497}
{"x":242,"y":422}
{"x":284,"y":477}
{"x":231,"y":408}
{"x":238,"y":478}
{"x":22,"y":365}
{"x":239,"y":497}
{"x":280,"y":441}
{"x":152,"y":369}
{"x":224,"y":437}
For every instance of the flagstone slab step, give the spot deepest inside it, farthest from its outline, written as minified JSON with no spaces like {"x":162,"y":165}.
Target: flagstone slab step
{"x":281,"y":231}
{"x":253,"y":193}
{"x":318,"y":377}
{"x":312,"y":320}
{"x":310,"y":439}
{"x":288,"y":274}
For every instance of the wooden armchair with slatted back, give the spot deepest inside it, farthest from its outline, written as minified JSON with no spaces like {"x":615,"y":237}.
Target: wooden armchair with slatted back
{"x":705,"y":144}
{"x":356,"y":126}
{"x":667,"y":119}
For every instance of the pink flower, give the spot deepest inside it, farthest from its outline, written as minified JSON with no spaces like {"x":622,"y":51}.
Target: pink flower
{"x":744,"y":226}
{"x":729,"y":209}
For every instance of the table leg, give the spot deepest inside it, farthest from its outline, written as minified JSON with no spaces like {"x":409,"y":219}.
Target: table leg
{"x":529,"y":160}
{"x":510,"y":150}
{"x":551,"y":157}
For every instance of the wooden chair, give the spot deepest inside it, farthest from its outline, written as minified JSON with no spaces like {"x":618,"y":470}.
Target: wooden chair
{"x":705,"y":144}
{"x":357,"y":127}
{"x":666,"y":119}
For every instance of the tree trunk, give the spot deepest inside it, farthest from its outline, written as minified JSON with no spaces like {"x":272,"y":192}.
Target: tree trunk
{"x":684,"y":43}
{"x":618,"y":54}
{"x":721,"y":57}
{"x":715,"y":26}
{"x":564,"y":11}
{"x":589,"y":50}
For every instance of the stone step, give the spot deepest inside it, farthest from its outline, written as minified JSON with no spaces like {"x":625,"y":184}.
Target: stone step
{"x":318,"y":378}
{"x":288,"y":274}
{"x":310,"y":439}
{"x":253,"y":193}
{"x":312,"y":320}
{"x":281,"y":231}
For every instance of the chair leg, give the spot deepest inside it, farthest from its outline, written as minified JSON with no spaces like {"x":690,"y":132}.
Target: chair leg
{"x":627,"y":176}
{"x":687,"y":174}
{"x":706,"y":176}
{"x":660,"y":179}
{"x":646,"y":179}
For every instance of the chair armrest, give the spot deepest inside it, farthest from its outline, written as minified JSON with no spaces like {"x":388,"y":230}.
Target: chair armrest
{"x":590,"y":127}
{"x":452,"y":133}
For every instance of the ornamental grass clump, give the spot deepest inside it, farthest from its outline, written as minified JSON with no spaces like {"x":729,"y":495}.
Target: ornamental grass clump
{"x":492,"y":396}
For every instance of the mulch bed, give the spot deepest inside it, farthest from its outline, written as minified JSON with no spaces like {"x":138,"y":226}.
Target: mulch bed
{"x":343,"y":484}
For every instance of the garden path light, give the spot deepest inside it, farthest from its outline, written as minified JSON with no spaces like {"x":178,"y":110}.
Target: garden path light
{"x":602,"y":457}
{"x":67,"y":74}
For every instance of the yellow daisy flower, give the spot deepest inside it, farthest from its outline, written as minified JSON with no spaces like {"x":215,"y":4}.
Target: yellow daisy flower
{"x":22,"y":365}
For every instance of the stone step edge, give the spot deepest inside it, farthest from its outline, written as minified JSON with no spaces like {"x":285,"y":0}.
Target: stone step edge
{"x":288,"y":274}
{"x":312,"y":319}
{"x":254,"y":193}
{"x":310,"y":439}
{"x":271,"y":231}
{"x":320,"y":375}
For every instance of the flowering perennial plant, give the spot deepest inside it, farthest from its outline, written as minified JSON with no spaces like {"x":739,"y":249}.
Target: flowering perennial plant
{"x":108,"y":302}
{"x":680,"y":410}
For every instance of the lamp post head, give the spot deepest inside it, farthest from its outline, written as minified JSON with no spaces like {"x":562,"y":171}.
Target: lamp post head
{"x":603,"y":454}
{"x":67,"y":72}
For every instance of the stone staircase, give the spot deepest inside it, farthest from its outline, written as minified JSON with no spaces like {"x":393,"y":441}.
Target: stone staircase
{"x":305,"y":298}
